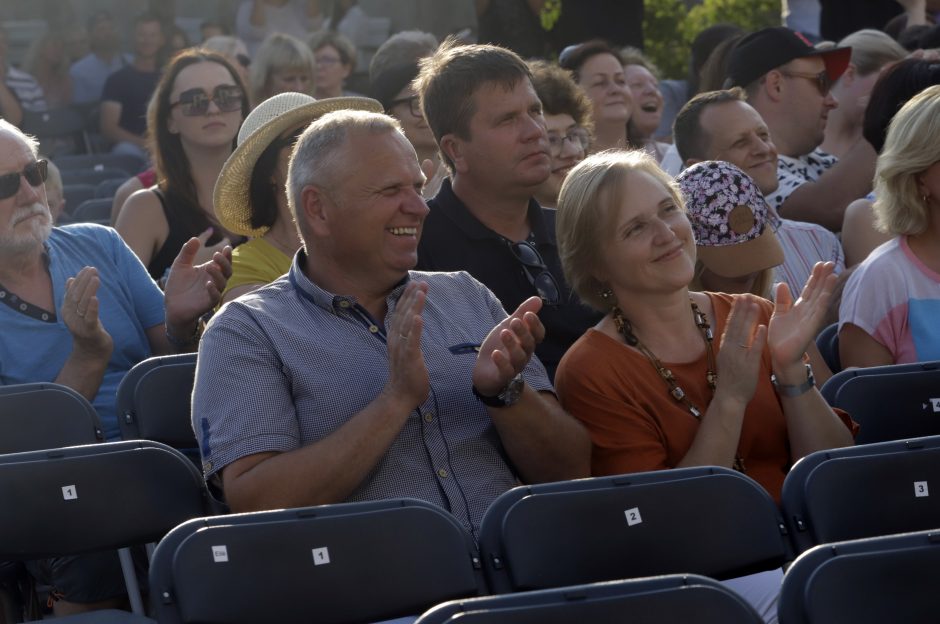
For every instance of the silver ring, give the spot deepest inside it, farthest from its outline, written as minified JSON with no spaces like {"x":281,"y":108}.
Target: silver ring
{"x":744,"y":346}
{"x":403,"y":336}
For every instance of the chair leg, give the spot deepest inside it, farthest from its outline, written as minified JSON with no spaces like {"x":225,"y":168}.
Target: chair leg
{"x":130,"y":580}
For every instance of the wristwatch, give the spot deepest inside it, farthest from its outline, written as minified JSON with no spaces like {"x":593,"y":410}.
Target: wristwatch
{"x":506,"y":397}
{"x":795,"y":391}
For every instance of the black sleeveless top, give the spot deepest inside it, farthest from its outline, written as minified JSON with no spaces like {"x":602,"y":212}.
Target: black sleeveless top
{"x":180,"y":232}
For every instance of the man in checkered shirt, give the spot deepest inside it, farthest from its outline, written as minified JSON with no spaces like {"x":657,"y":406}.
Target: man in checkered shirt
{"x":353,"y":377}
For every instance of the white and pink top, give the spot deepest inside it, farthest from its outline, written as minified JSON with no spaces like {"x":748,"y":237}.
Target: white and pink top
{"x":895,"y":298}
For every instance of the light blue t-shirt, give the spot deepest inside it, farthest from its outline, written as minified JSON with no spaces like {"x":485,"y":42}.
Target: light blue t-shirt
{"x":35,"y":344}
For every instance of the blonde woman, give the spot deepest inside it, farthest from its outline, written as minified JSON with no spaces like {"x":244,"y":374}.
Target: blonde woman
{"x":283,"y":63}
{"x":891,"y":302}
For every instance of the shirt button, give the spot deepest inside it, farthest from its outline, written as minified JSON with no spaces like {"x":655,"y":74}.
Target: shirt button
{"x":442,"y":473}
{"x":344,"y":304}
{"x":374,"y":329}
{"x":428,"y":416}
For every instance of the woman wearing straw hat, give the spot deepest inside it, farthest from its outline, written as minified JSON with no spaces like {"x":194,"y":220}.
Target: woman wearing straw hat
{"x":192,"y":121}
{"x":250,"y":197}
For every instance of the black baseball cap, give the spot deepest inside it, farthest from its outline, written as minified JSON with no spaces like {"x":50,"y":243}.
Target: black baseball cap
{"x":758,"y":53}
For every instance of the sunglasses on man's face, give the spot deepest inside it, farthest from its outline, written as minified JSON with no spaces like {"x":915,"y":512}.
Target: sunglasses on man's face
{"x":35,"y":173}
{"x":195,"y":102}
{"x":821,"y":80}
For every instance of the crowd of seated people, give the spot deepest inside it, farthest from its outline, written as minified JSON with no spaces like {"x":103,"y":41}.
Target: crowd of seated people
{"x":479,"y":275}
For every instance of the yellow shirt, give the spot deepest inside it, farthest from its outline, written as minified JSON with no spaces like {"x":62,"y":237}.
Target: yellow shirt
{"x":257,"y":262}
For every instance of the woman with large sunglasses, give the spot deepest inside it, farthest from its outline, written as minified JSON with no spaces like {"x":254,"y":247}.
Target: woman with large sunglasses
{"x":192,"y":121}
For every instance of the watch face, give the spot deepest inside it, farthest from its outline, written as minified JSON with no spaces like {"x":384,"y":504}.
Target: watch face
{"x":511,"y":394}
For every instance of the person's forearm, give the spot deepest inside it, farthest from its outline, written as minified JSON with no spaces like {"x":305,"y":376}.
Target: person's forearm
{"x":811,"y":424}
{"x":323,"y":472}
{"x":543,"y":441}
{"x":83,"y":372}
{"x":716,"y":441}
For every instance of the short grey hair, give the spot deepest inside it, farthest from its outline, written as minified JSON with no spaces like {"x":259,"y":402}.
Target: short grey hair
{"x":317,"y":156}
{"x":30,"y":141}
{"x":402,"y":49}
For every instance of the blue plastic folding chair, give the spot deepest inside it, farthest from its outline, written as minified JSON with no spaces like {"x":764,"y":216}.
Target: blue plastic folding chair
{"x":868,"y":581}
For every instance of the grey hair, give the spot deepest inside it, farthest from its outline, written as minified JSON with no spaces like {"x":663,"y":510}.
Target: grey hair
{"x":317,"y":155}
{"x":29,"y":140}
{"x":401,"y":49}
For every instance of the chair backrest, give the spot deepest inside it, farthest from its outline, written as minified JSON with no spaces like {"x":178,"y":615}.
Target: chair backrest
{"x":868,"y":581}
{"x":75,"y":194}
{"x":352,"y":562}
{"x":686,"y":598}
{"x":37,"y":416}
{"x":92,"y":176}
{"x":153,"y":401}
{"x":60,"y":131}
{"x":93,"y":210}
{"x":863,"y":491}
{"x":628,"y":526}
{"x":128,"y":163}
{"x":828,"y":344}
{"x":95,"y":497}
{"x":893,"y":407}
{"x":831,"y":388}
{"x":107,"y":188}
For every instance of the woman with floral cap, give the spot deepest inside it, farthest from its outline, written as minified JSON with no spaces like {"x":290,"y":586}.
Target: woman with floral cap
{"x":672,"y":377}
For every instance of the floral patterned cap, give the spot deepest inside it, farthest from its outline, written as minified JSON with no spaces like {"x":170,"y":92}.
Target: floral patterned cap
{"x":730,"y":219}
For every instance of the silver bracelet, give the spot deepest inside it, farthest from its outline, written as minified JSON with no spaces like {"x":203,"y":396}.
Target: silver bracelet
{"x":795,"y":391}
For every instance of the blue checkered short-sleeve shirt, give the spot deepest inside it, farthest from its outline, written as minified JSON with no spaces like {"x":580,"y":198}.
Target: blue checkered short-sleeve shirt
{"x":288,"y":364}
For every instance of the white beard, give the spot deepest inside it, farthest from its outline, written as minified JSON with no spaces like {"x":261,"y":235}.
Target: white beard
{"x":14,"y":243}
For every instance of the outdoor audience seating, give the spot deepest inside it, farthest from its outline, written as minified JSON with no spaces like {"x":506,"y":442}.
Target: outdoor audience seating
{"x":828,"y":344}
{"x":687,"y":598}
{"x":705,"y":520}
{"x":97,"y":210}
{"x":60,"y":131}
{"x":875,"y":580}
{"x":129,"y":164}
{"x":889,"y":402}
{"x":45,"y":415}
{"x":350,"y":562}
{"x":96,"y":497}
{"x":92,"y":176}
{"x":108,"y":188}
{"x":153,"y":402}
{"x":863,"y":491}
{"x":75,"y":194}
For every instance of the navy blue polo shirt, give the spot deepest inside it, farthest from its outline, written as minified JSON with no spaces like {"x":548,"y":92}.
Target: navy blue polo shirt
{"x":454,"y":240}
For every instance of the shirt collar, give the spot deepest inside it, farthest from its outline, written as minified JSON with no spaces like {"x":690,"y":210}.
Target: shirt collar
{"x":324,"y":298}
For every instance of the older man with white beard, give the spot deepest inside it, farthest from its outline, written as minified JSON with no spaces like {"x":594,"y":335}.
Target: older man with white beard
{"x":77,"y":308}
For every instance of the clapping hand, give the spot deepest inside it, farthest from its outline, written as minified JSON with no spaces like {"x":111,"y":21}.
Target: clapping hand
{"x":795,"y":324}
{"x":80,"y":314}
{"x":193,"y":289}
{"x":508,"y":348}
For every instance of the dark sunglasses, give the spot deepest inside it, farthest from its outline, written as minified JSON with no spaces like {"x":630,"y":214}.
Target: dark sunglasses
{"x":195,"y":102}
{"x":413,"y":102}
{"x":821,"y":79}
{"x":35,"y":173}
{"x":536,"y":271}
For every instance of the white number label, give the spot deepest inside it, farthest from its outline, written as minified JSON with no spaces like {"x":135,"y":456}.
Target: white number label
{"x":920,"y":489}
{"x":633,"y":516}
{"x":69,"y":492}
{"x":219,"y":554}
{"x":321,"y":556}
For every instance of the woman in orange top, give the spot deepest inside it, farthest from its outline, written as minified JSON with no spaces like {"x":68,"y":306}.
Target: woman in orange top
{"x":673,"y":378}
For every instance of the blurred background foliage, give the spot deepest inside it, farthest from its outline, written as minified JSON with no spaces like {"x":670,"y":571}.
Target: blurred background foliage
{"x":669,"y":26}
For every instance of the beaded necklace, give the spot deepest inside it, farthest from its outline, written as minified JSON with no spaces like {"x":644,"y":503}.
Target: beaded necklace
{"x":625,"y":328}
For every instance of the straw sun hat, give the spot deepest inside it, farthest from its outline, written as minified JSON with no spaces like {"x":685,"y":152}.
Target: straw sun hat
{"x":261,"y":128}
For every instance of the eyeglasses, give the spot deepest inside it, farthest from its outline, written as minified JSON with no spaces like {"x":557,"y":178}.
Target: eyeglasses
{"x":577,"y":136}
{"x":35,"y":173}
{"x":195,"y":102}
{"x":413,"y":101}
{"x":821,"y":79}
{"x":543,"y":281}
{"x":327,"y":61}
